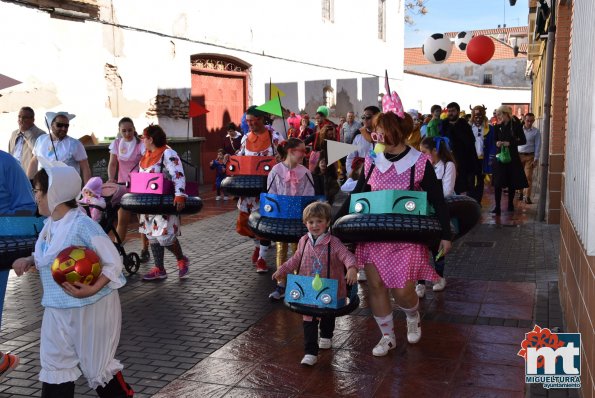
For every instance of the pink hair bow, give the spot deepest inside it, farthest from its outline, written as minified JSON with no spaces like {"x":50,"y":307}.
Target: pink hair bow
{"x":392,"y":103}
{"x":291,"y":178}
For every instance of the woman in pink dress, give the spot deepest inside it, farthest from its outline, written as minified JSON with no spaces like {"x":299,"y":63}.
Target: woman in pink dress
{"x":125,"y":154}
{"x":394,"y":267}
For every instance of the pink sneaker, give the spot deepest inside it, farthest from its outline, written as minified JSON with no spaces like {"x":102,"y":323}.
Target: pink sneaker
{"x":155,"y":273}
{"x":183,"y":267}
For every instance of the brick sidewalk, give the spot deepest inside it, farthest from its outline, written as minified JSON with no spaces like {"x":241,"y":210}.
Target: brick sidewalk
{"x":197,"y":333}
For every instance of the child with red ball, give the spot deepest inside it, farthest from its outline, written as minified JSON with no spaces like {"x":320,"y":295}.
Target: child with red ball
{"x":81,"y":323}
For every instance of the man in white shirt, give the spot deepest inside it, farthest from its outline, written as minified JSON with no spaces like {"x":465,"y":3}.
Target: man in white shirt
{"x":59,"y":146}
{"x":349,"y":128}
{"x":362,"y":137}
{"x":22,"y":141}
{"x":529,"y":153}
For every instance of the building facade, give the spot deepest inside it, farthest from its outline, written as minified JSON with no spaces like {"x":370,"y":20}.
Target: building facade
{"x":105,"y":59}
{"x":571,"y":169}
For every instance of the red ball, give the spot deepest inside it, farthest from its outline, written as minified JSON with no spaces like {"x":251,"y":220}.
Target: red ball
{"x":76,"y":264}
{"x":480,"y":49}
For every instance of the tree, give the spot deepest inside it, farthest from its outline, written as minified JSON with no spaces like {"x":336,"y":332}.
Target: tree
{"x":413,"y":8}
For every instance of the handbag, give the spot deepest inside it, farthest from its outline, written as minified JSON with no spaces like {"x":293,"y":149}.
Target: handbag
{"x":314,"y":290}
{"x":504,"y":155}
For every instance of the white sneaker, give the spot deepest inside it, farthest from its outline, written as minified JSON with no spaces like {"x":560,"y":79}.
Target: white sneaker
{"x":414,"y":329}
{"x":325,"y":344}
{"x":440,"y":285}
{"x":309,"y":360}
{"x":226,"y":198}
{"x":385,"y":344}
{"x":218,"y":198}
{"x":420,"y":290}
{"x":361,"y":276}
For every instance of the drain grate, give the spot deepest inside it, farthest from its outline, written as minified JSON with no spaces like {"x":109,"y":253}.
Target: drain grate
{"x":479,"y":244}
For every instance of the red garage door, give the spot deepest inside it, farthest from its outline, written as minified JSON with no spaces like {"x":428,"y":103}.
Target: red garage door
{"x":224,"y":94}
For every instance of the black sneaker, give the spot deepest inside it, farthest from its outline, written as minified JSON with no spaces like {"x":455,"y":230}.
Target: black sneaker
{"x":144,"y":256}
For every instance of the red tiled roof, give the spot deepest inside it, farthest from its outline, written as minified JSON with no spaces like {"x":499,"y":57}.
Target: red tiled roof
{"x":414,"y":56}
{"x":497,"y":31}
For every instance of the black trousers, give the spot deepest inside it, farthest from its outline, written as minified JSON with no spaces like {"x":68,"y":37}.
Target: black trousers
{"x":327,"y":327}
{"x":477,"y":182}
{"x":116,"y":388}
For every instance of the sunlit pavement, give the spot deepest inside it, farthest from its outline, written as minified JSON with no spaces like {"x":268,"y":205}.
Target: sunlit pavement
{"x":216,"y":334}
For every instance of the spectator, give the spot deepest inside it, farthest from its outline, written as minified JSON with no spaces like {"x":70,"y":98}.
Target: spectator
{"x":22,"y":141}
{"x":232,"y":142}
{"x":305,"y":132}
{"x":434,"y":123}
{"x":529,"y":154}
{"x":218,"y":165}
{"x":326,"y":179}
{"x":362,"y":138}
{"x":414,"y":139}
{"x":349,"y":128}
{"x":485,"y":146}
{"x":509,"y":133}
{"x":59,"y":146}
{"x":462,"y":143}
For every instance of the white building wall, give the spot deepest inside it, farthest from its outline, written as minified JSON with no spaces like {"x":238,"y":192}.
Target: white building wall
{"x":579,"y":179}
{"x":421,"y":93}
{"x":505,"y":72}
{"x":62,"y":63}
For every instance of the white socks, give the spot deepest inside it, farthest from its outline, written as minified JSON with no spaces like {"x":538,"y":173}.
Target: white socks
{"x":386,"y":325}
{"x":263,"y":251}
{"x":411,"y":312}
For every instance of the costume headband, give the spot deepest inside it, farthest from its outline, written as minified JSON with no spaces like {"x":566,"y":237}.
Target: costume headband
{"x":392,"y":103}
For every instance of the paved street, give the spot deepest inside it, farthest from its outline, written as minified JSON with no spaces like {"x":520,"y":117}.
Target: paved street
{"x":216,"y":334}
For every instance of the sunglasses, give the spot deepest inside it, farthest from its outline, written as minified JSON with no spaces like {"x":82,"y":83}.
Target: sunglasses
{"x":62,"y":125}
{"x":377,"y":137}
{"x":367,"y":117}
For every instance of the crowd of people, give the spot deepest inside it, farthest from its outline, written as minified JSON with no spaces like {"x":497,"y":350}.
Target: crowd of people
{"x":443,"y":153}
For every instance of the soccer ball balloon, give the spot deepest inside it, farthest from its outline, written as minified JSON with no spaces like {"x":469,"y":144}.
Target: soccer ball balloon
{"x":437,"y":48}
{"x":76,"y":264}
{"x":462,"y":39}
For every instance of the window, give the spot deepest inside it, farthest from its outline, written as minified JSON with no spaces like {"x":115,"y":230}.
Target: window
{"x":329,"y":96}
{"x":328,"y":13}
{"x":487,"y":79}
{"x":468,"y":71}
{"x":382,"y":20}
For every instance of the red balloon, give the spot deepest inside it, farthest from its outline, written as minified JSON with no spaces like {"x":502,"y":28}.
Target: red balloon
{"x":480,"y":49}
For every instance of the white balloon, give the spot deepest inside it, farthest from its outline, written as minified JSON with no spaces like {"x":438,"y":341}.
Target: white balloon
{"x":437,"y":48}
{"x":462,"y":39}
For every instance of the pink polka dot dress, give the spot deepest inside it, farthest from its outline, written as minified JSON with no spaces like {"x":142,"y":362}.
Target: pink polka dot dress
{"x":397,"y":262}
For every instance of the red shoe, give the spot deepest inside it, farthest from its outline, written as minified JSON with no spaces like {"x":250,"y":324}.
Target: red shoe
{"x":255,"y":254}
{"x":8,"y":364}
{"x":261,"y":266}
